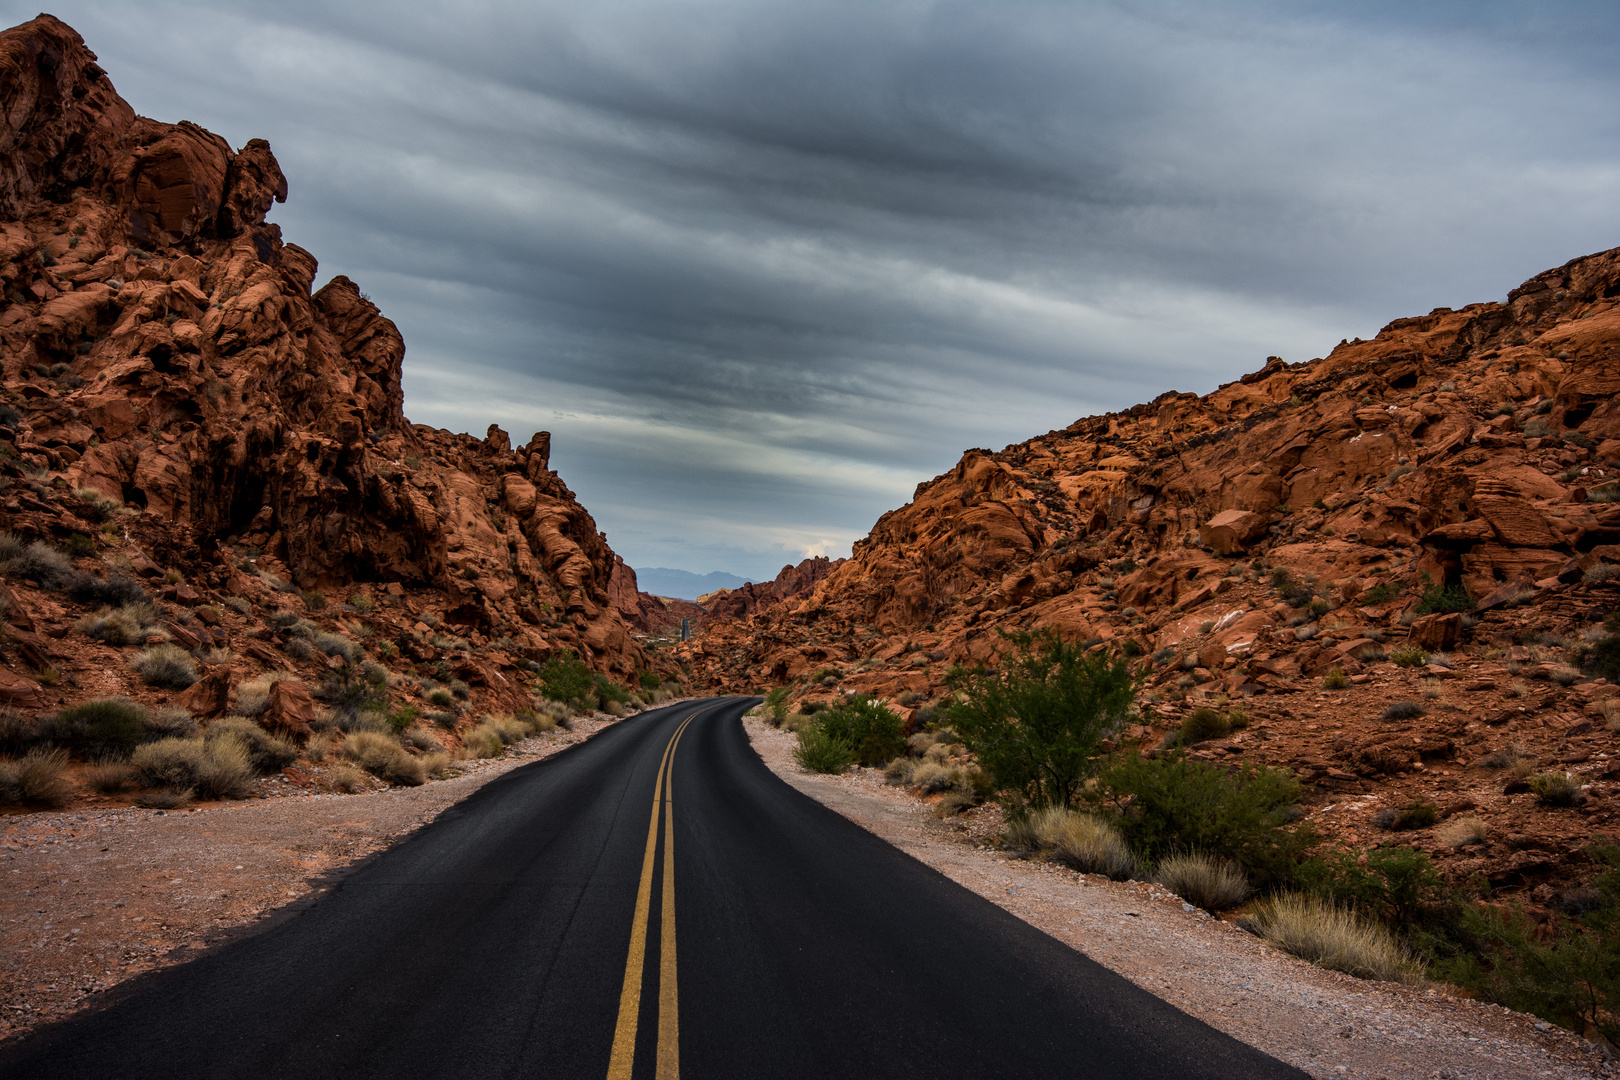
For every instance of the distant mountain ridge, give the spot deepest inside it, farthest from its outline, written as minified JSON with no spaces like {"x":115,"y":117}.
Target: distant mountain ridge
{"x":683,"y":584}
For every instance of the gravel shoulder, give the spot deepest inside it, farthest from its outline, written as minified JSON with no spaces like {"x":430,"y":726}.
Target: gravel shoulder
{"x":1328,"y":1024}
{"x":92,"y":897}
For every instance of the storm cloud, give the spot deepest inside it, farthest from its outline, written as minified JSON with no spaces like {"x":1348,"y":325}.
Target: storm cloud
{"x":763,"y":267}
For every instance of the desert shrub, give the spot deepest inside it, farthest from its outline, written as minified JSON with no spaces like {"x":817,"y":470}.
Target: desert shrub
{"x":1381,"y":593}
{"x":1417,"y":815}
{"x":1078,"y":840}
{"x":337,"y":645}
{"x":350,"y":694}
{"x":35,"y":778}
{"x":167,"y":666}
{"x":439,"y":765}
{"x":442,"y":697}
{"x":1330,"y":936}
{"x":1036,"y":721}
{"x":866,"y":725}
{"x":43,"y":565}
{"x":1202,"y":880}
{"x":313,"y":599}
{"x":108,"y":727}
{"x":1204,"y":723}
{"x":421,"y":738}
{"x":776,"y":704}
{"x":1556,"y":789}
{"x":165,"y":799}
{"x":109,"y":778}
{"x":1176,"y":803}
{"x":170,"y":721}
{"x":253,"y":697}
{"x":384,"y":758}
{"x":239,"y":604}
{"x":18,"y":733}
{"x":1462,"y":831}
{"x":648,"y":680}
{"x":482,"y":741}
{"x":1289,"y":591}
{"x":345,"y":778}
{"x":220,"y":767}
{"x":609,"y":693}
{"x":1395,"y":884}
{"x":128,"y":625}
{"x":1335,"y":679}
{"x":1601,"y":658}
{"x":900,"y":771}
{"x":821,"y":752}
{"x":1409,"y":656}
{"x":1444,"y":598}
{"x":565,"y":677}
{"x":1403,"y":710}
{"x":446,"y":720}
{"x":269,"y":753}
{"x":117,"y":590}
{"x":11,"y":546}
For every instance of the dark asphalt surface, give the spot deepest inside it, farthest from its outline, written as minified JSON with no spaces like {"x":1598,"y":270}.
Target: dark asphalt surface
{"x":493,"y":943}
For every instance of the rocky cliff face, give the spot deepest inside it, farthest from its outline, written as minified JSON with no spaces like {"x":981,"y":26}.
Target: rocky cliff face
{"x":163,"y":346}
{"x":1252,"y":541}
{"x":791,"y":581}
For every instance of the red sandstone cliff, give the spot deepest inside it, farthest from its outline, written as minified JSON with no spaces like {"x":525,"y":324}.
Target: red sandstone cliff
{"x":162,"y":345}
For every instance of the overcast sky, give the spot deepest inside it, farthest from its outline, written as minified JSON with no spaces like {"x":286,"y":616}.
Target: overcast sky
{"x":762,"y":267}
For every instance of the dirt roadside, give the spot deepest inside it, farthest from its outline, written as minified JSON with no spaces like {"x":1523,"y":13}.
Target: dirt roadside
{"x":91,"y":897}
{"x":1330,"y":1025}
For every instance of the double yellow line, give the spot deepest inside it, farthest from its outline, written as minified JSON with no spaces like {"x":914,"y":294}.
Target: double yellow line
{"x":624,"y":1035}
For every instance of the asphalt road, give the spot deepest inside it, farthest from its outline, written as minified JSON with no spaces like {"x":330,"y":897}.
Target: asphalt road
{"x":538,"y":929}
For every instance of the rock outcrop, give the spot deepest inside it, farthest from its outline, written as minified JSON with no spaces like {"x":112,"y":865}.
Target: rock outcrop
{"x":1307,"y":522}
{"x":162,"y":345}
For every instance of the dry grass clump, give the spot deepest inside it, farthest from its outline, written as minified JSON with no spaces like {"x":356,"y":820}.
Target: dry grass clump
{"x":131,"y":624}
{"x":1079,"y":841}
{"x":165,"y":799}
{"x":166,"y":666}
{"x":1331,"y":937}
{"x":35,"y":778}
{"x":420,"y":738}
{"x":1335,"y":680}
{"x":268,"y":752}
{"x":1211,"y":883}
{"x":219,"y":767}
{"x":482,"y":741}
{"x":439,"y":765}
{"x":171,"y":721}
{"x":109,"y":778}
{"x":384,"y":758}
{"x":345,"y":778}
{"x":1461,"y":832}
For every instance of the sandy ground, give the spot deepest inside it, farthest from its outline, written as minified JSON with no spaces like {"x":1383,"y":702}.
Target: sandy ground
{"x":89,"y":898}
{"x":1328,"y":1024}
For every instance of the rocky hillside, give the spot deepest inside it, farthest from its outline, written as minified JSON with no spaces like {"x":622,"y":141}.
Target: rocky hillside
{"x":182,"y":412}
{"x":1397,"y":555}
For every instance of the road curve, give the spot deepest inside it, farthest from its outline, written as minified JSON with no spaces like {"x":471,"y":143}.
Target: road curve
{"x":537,"y":929}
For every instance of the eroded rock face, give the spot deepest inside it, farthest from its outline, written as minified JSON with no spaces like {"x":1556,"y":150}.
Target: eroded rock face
{"x":162,"y":345}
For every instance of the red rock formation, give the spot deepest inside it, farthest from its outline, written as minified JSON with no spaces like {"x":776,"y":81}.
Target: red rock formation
{"x":791,"y":581}
{"x":1251,"y":542}
{"x":162,"y":345}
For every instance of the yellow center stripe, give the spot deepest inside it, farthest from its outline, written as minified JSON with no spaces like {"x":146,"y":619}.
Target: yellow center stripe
{"x":624,"y":1034}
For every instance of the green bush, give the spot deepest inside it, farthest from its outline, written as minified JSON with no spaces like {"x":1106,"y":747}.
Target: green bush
{"x":822,"y":752}
{"x":1175,"y":803}
{"x":1601,"y":659}
{"x":776,"y":704}
{"x":1289,"y":591}
{"x":1381,"y":593}
{"x":1444,"y":599}
{"x":566,"y":678}
{"x":1204,"y":723}
{"x":1396,"y":884}
{"x":867,"y":726}
{"x":1036,"y":722}
{"x":649,"y":680}
{"x":609,"y":692}
{"x":1409,"y":656}
{"x":99,"y":727}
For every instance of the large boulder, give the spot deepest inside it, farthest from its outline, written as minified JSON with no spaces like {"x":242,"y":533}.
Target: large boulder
{"x":1231,"y":531}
